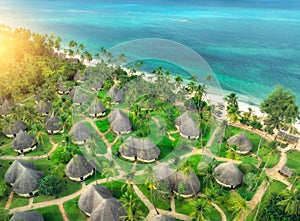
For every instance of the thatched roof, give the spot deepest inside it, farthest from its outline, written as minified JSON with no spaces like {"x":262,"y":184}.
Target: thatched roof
{"x":190,"y":182}
{"x":189,"y":128}
{"x":43,"y":107}
{"x":80,"y":98}
{"x":97,"y":86}
{"x":141,"y":148}
{"x":175,"y":178}
{"x":162,"y":218}
{"x":109,"y":209}
{"x":53,"y":123}
{"x":228,"y":174}
{"x":5,"y":108}
{"x":93,"y":197}
{"x":119,"y":121}
{"x":182,"y":118}
{"x":14,"y":127}
{"x":80,"y":76}
{"x":16,"y":168}
{"x":24,"y":177}
{"x":115,"y":94}
{"x":63,"y":88}
{"x":241,"y":141}
{"x":27,"y":216}
{"x":81,"y":132}
{"x":286,"y":171}
{"x":23,"y":141}
{"x":78,"y":167}
{"x":97,"y":108}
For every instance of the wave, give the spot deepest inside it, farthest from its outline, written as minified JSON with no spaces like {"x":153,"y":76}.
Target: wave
{"x":81,"y":11}
{"x":178,"y":20}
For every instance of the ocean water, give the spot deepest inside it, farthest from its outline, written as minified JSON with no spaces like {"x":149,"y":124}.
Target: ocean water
{"x":250,"y":45}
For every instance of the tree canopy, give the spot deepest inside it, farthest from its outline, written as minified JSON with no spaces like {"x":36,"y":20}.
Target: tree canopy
{"x":281,"y":109}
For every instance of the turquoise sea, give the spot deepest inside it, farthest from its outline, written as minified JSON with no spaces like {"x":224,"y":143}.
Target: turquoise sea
{"x":250,"y":45}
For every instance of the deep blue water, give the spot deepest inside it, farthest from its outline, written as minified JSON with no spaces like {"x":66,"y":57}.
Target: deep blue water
{"x":250,"y":45}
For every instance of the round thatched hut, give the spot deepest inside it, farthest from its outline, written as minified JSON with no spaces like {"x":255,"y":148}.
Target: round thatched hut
{"x":43,"y":108}
{"x":27,"y":216}
{"x":120,"y":122}
{"x":97,"y":109}
{"x":243,"y":144}
{"x":11,"y":129}
{"x":78,"y":168}
{"x":24,"y":142}
{"x":228,"y":175}
{"x":109,"y":209}
{"x":81,"y":133}
{"x":53,"y":125}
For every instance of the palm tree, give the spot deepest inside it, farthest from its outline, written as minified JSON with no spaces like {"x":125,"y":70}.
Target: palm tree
{"x":186,"y":168}
{"x":109,"y":170}
{"x":151,"y":181}
{"x":233,"y":112}
{"x":231,"y":152}
{"x":179,"y":81}
{"x":237,"y":205}
{"x":132,"y":207}
{"x":291,"y":201}
{"x":201,"y":209}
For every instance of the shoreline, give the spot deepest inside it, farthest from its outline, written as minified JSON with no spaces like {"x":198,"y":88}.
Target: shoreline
{"x":214,"y":98}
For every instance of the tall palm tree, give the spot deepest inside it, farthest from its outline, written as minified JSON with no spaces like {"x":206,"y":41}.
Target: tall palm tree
{"x":109,"y":170}
{"x":132,"y":207}
{"x":151,"y":181}
{"x":201,"y":210}
{"x":186,"y":168}
{"x":291,"y":201}
{"x":237,"y":205}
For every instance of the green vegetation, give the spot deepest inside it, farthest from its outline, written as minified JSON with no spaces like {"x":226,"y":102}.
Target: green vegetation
{"x":103,"y":125}
{"x":18,"y":201}
{"x":73,"y":211}
{"x":293,"y":160}
{"x":50,"y":185}
{"x":50,"y":213}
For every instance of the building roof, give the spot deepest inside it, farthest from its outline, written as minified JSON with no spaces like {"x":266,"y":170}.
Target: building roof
{"x":119,"y":121}
{"x":43,"y":107}
{"x":63,"y":87}
{"x":93,"y":197}
{"x":286,"y":171}
{"x":80,"y":98}
{"x":27,"y":216}
{"x":228,"y":174}
{"x":24,"y":177}
{"x":80,"y":76}
{"x":241,"y":141}
{"x":109,"y":209}
{"x":162,"y":218}
{"x":16,"y":168}
{"x":189,"y":128}
{"x":182,"y":118}
{"x":175,"y":178}
{"x":115,"y":94}
{"x":14,"y":127}
{"x":98,"y":85}
{"x":78,"y":167}
{"x":23,"y":141}
{"x":81,"y":132}
{"x":53,"y":123}
{"x":97,"y":108}
{"x":6,"y":107}
{"x":288,"y":137}
{"x":141,"y":148}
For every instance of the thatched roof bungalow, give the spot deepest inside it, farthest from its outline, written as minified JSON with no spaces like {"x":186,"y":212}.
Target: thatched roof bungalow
{"x":228,"y":175}
{"x":27,"y":216}
{"x":177,"y":179}
{"x":24,"y":142}
{"x":79,"y":99}
{"x":81,"y":133}
{"x":139,"y":149}
{"x":243,"y":144}
{"x":97,"y":109}
{"x":79,"y":169}
{"x":285,"y":171}
{"x":11,"y":129}
{"x":62,"y":88}
{"x":53,"y":125}
{"x":43,"y":108}
{"x":115,"y":94}
{"x":109,"y":209}
{"x":92,"y":198}
{"x":80,"y":77}
{"x":187,"y":126}
{"x":24,"y":178}
{"x":120,"y":122}
{"x":6,"y":108}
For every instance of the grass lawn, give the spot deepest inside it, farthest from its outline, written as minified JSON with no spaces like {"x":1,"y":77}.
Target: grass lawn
{"x":73,"y":211}
{"x":18,"y":201}
{"x":166,"y":146}
{"x":8,"y":151}
{"x":4,"y":165}
{"x":4,"y":140}
{"x":110,"y":137}
{"x":187,"y":207}
{"x":101,"y":94}
{"x":57,"y":138}
{"x":293,"y":160}
{"x":94,"y":177}
{"x":159,"y":203}
{"x":103,"y":125}
{"x":270,"y":157}
{"x":50,"y":213}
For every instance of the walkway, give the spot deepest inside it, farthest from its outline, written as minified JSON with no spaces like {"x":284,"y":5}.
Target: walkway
{"x":63,"y":212}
